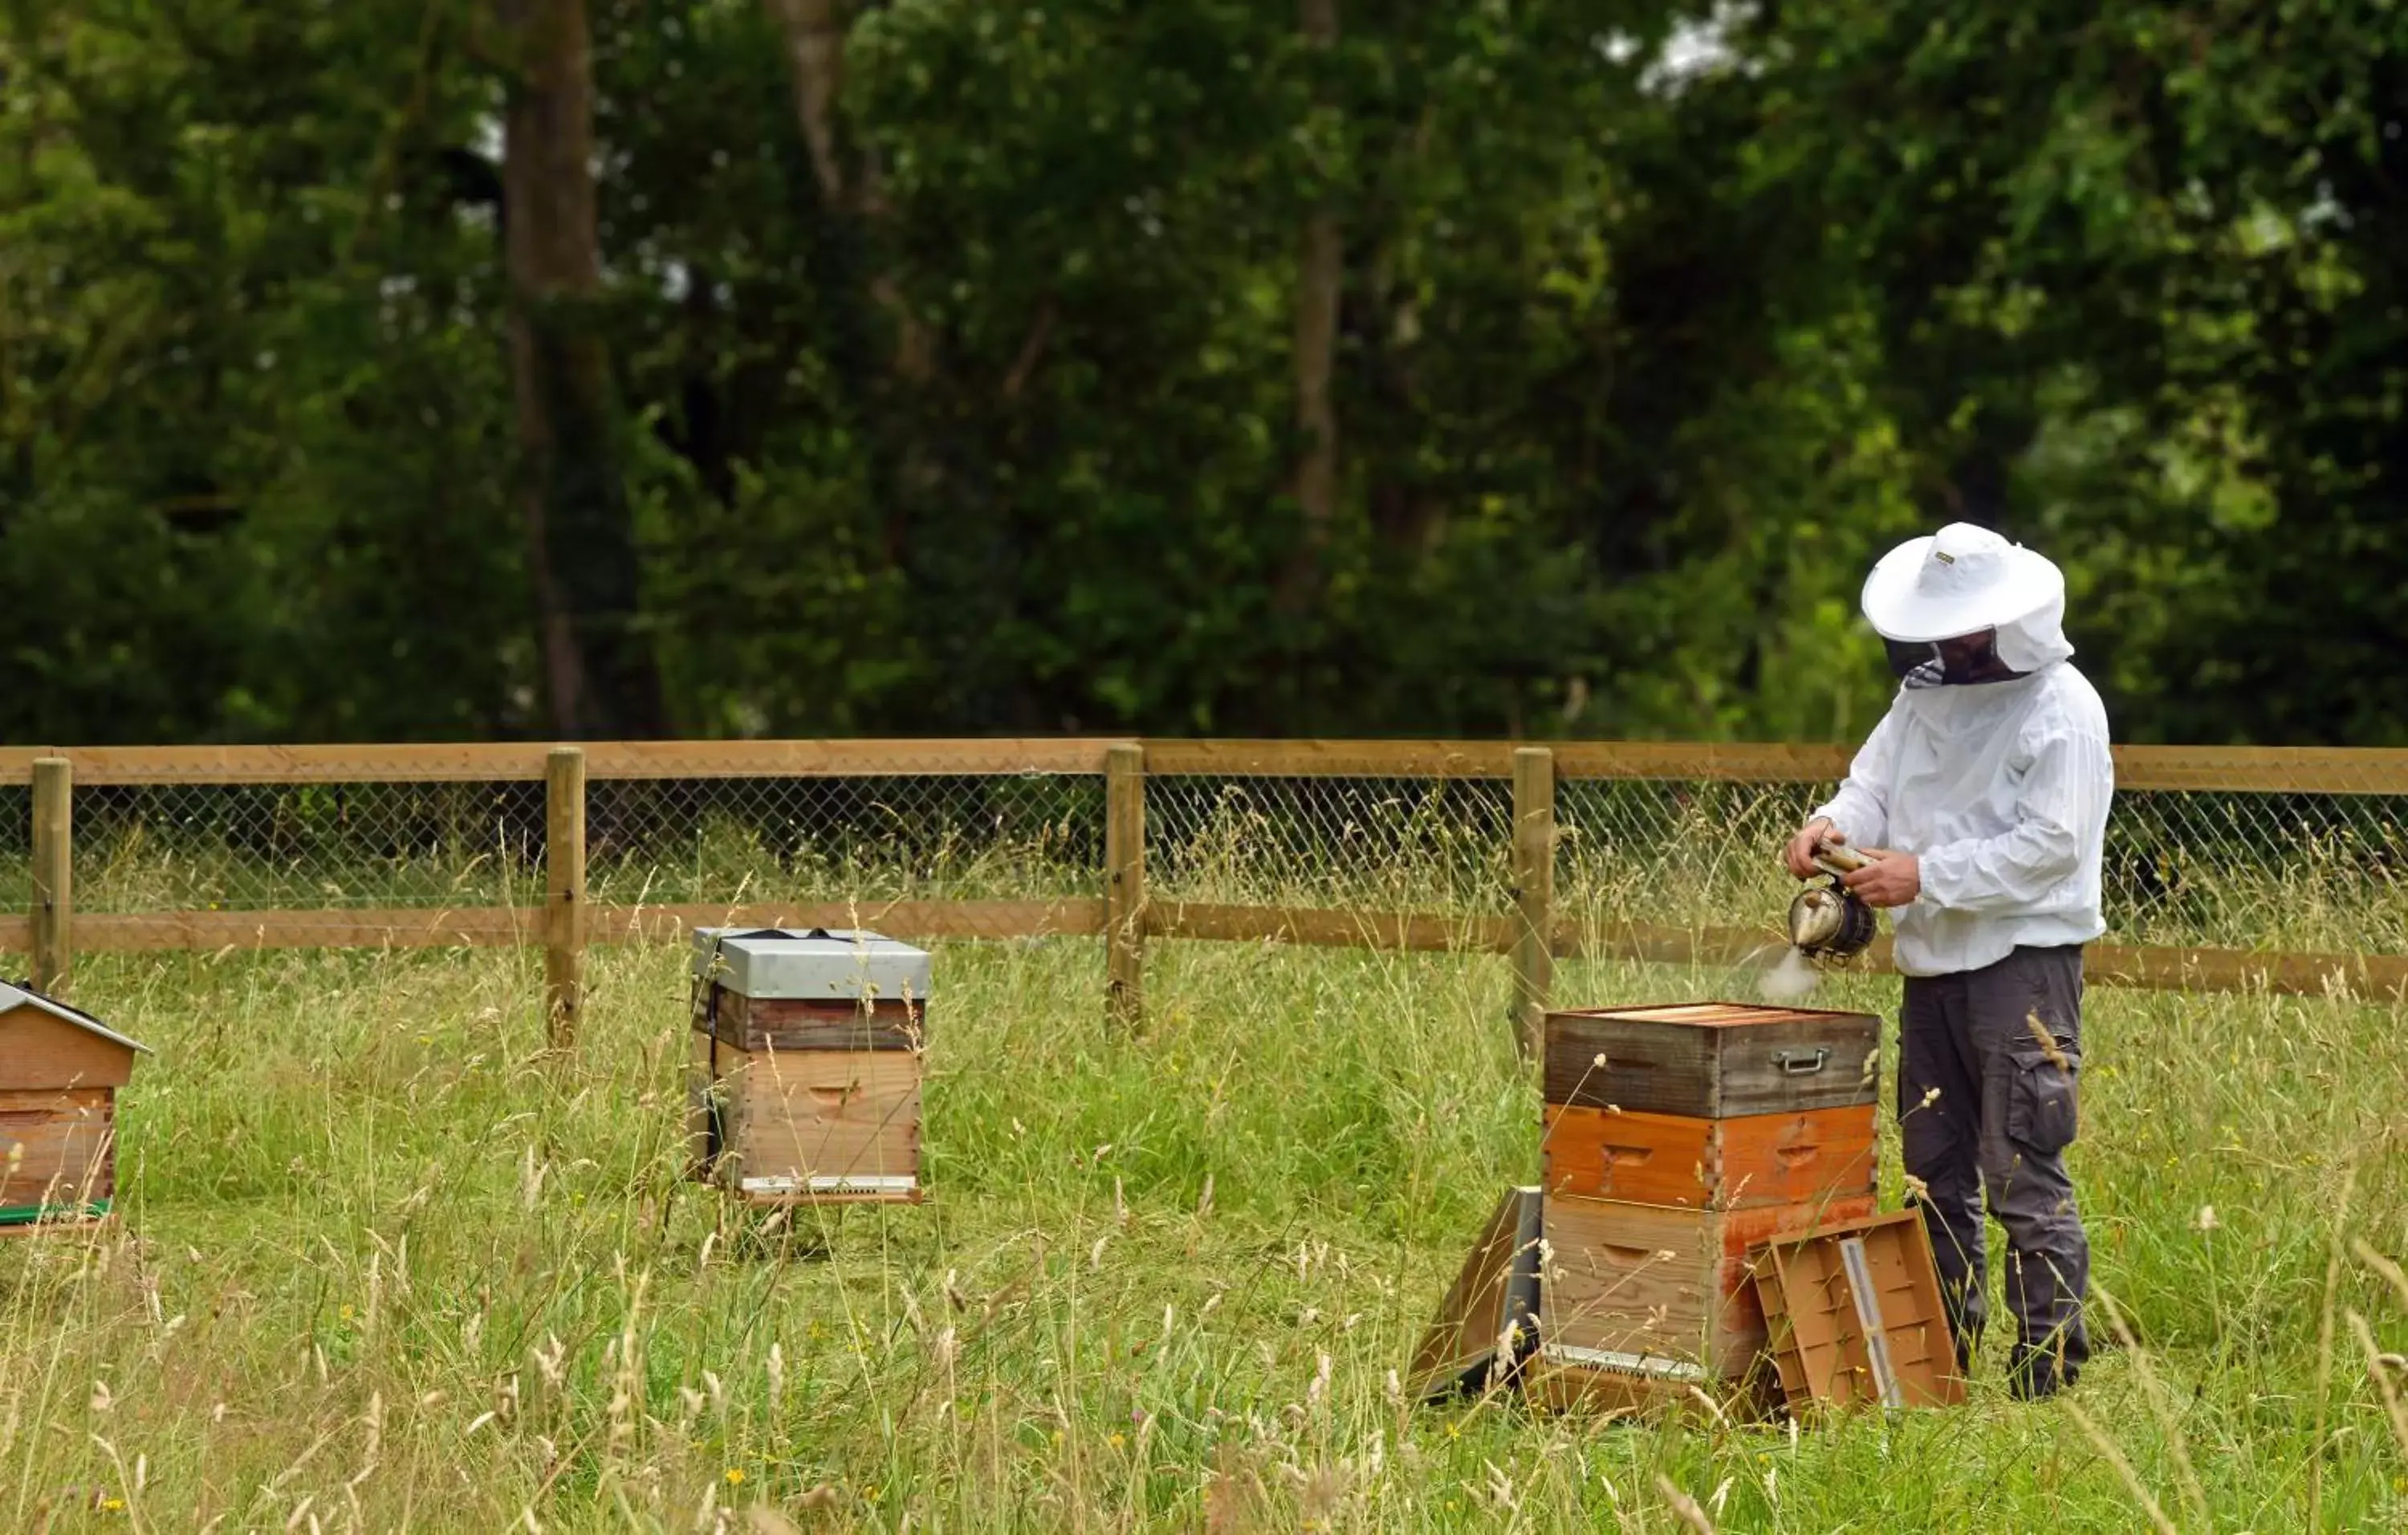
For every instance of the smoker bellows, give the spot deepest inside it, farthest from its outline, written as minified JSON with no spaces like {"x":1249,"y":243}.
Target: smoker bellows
{"x":1832,"y":922}
{"x":804,"y":1082}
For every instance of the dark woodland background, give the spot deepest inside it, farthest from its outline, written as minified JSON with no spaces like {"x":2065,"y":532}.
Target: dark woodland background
{"x":394,"y":370}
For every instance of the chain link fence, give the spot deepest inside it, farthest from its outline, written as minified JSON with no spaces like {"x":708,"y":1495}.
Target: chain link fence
{"x":239,"y":847}
{"x":665,"y":841}
{"x":16,"y":843}
{"x":1677,"y":852}
{"x":151,"y":848}
{"x":1393,"y":845}
{"x":2256,"y":870}
{"x":2313,"y":869}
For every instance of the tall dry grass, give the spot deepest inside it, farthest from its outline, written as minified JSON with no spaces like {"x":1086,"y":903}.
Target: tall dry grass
{"x":383,"y":1266}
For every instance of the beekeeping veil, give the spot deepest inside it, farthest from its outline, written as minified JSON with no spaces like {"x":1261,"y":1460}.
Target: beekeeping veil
{"x":1966,"y":583}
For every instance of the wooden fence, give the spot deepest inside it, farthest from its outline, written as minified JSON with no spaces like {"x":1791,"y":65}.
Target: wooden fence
{"x":1534,"y":934}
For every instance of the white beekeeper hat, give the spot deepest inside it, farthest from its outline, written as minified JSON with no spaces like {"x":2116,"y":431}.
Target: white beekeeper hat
{"x":1963,"y":580}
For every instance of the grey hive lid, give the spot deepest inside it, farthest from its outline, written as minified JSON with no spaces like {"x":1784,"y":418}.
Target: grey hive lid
{"x":810,"y":962}
{"x":14,"y":997}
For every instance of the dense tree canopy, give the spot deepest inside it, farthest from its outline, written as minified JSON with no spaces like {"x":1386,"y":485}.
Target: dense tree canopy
{"x":397,"y":370}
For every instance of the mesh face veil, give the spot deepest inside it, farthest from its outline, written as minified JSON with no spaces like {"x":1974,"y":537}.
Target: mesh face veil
{"x":1965,"y":661}
{"x":1965,"y":607}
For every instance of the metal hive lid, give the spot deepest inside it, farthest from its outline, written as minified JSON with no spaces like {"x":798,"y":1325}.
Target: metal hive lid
{"x":810,"y":962}
{"x":12,"y":997}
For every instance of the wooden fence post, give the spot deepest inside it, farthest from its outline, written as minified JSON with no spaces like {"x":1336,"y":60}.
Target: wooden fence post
{"x":563,"y":917}
{"x":53,"y":874}
{"x":1125,"y":882}
{"x":1534,"y":893}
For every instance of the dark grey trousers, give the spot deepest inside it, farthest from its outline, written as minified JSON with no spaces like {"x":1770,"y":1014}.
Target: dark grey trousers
{"x":1987,"y":1065}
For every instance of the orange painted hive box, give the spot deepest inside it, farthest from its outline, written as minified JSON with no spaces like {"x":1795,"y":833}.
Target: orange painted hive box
{"x":60,"y":1070}
{"x":805,"y":1064}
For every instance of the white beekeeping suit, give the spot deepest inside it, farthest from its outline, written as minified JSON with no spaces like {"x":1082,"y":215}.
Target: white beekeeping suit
{"x":1995,"y":773}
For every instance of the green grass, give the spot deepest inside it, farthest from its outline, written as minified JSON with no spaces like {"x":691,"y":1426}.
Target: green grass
{"x":381,"y":1266}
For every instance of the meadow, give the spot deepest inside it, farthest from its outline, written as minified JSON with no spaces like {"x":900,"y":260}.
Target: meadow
{"x":383,"y":1265}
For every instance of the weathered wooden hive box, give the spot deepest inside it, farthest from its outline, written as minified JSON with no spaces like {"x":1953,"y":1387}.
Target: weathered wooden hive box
{"x":60,"y":1070}
{"x":805,"y":1065}
{"x":1677,"y":1139}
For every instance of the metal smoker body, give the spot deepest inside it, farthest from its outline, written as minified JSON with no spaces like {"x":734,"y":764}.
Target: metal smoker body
{"x":1832,"y":922}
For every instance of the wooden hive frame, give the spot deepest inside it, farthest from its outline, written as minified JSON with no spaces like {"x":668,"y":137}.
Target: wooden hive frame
{"x":821,"y":1126}
{"x":67,"y":1136}
{"x":1711,"y":1060}
{"x":817,"y":1112}
{"x":1855,"y":1317}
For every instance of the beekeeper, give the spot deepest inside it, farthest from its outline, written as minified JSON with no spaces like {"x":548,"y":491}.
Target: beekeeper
{"x":1981,"y":798}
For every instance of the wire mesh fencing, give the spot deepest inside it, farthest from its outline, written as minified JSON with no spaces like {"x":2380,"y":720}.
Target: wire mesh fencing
{"x":16,"y":847}
{"x":1676,"y":852}
{"x":1431,"y":845}
{"x":408,"y":845}
{"x":2291,"y":871}
{"x":2224,"y":850}
{"x":958,"y":836}
{"x":237,"y":847}
{"x":2253,"y":869}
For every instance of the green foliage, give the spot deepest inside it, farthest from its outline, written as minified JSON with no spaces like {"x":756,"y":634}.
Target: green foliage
{"x":1645,"y":351}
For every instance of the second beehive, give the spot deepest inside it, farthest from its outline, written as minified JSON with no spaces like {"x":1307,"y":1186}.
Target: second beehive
{"x":805,"y":1064}
{"x":1678,"y":1138}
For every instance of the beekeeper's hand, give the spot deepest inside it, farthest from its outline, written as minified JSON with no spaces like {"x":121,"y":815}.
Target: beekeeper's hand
{"x":1809,"y":842}
{"x":1892,"y":879}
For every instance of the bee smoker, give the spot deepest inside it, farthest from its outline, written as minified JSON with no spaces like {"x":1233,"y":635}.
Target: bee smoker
{"x":1830,"y":921}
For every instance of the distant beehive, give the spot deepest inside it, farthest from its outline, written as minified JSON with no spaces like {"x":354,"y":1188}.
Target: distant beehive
{"x":804,"y":1082}
{"x":1678,"y":1141}
{"x":60,"y":1070}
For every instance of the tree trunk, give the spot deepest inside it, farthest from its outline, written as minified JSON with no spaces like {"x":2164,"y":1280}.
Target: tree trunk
{"x":599,"y":671}
{"x":814,"y":31}
{"x":892,"y":374}
{"x":1320,"y":278}
{"x":814,"y":34}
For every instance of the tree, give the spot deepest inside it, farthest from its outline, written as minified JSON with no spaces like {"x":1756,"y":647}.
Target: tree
{"x":598,"y":667}
{"x":1320,"y":278}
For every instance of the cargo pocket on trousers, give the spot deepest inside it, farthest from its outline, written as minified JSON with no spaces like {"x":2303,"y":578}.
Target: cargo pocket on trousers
{"x":2041,"y":1112}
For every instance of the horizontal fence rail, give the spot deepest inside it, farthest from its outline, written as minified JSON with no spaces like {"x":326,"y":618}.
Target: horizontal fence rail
{"x":2273,"y":868}
{"x":2264,"y":769}
{"x":497,"y":762}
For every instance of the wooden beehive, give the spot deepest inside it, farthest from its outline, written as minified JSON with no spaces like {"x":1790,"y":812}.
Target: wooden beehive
{"x":60,"y":1070}
{"x":1711,"y":1060}
{"x":803,"y":1065}
{"x":1855,"y":1317}
{"x":1677,"y":1139}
